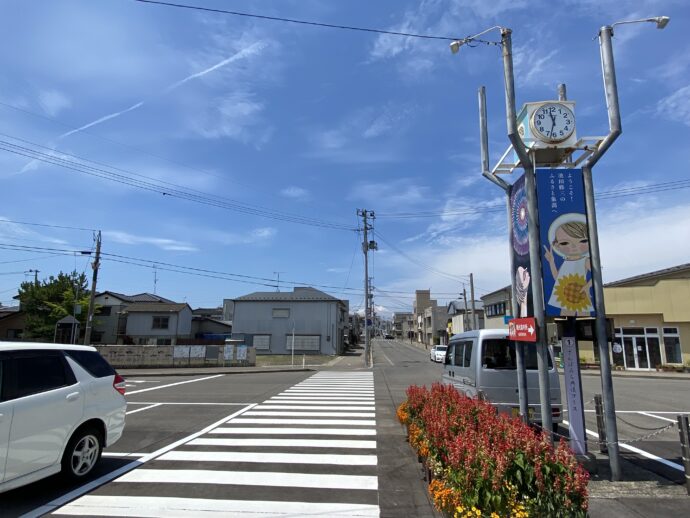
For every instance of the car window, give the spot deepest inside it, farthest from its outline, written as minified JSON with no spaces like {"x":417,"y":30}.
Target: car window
{"x":499,"y":353}
{"x":457,"y":361}
{"x":2,"y":388}
{"x":92,"y":362}
{"x":40,"y":373}
{"x":468,"y":354}
{"x":450,"y":355}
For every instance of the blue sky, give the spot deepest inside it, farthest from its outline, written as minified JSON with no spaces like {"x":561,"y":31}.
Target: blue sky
{"x":316,"y":123}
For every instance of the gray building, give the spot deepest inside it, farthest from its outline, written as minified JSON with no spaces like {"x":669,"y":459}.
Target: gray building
{"x":269,"y":320}
{"x":157,"y":323}
{"x":404,"y":325}
{"x":461,"y":318}
{"x":497,"y":306}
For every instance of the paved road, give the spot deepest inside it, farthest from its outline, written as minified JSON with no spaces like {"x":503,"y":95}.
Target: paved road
{"x":324,"y":442}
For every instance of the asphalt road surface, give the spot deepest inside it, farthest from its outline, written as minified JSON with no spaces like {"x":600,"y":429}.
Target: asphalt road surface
{"x":323,"y":442}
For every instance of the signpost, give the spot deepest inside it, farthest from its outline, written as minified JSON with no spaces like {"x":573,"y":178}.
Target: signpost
{"x":523,"y":330}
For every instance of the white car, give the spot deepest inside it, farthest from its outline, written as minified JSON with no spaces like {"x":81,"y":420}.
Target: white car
{"x":60,"y":405}
{"x":438,"y":353}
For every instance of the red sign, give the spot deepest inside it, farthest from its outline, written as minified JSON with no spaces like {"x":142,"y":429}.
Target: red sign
{"x":523,"y":329}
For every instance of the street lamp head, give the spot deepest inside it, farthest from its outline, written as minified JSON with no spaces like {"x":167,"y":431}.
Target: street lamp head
{"x":661,"y":21}
{"x":455,"y":46}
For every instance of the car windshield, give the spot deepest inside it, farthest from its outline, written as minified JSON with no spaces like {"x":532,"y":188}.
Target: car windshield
{"x":499,"y":353}
{"x":441,"y":348}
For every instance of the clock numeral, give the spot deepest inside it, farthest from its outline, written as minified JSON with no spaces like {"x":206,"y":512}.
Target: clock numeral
{"x":541,"y":128}
{"x":561,"y":132}
{"x":565,"y":128}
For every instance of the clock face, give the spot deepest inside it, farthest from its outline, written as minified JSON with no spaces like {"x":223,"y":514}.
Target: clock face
{"x":553,"y":122}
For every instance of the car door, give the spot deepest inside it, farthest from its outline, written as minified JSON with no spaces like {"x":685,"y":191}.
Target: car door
{"x":48,"y":404}
{"x":6,"y":408}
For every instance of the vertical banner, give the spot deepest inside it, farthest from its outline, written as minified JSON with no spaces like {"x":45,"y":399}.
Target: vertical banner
{"x":519,"y":247}
{"x":565,"y":254}
{"x":573,"y":395}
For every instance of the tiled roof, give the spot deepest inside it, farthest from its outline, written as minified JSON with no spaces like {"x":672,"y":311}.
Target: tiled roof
{"x":139,"y":297}
{"x":155,"y":307}
{"x":299,"y":294}
{"x":681,"y":271}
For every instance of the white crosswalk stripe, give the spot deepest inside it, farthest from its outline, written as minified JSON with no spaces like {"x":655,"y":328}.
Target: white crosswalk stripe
{"x":308,"y":451}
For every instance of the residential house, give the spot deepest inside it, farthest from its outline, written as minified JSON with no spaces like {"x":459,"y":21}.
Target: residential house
{"x":208,"y":324}
{"x":435,"y":325}
{"x":403,"y":325}
{"x":460,"y":318}
{"x":109,"y":321}
{"x":497,"y":306}
{"x":422,"y":300}
{"x":156,"y":323}
{"x":272,"y":322}
{"x":12,"y":322}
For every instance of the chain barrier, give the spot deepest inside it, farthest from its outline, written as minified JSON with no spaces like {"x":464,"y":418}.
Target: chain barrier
{"x":643,"y":427}
{"x":657,"y":431}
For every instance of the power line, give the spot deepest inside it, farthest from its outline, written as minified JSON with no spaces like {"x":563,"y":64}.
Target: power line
{"x":305,"y":22}
{"x":161,"y":187}
{"x":2,"y":220}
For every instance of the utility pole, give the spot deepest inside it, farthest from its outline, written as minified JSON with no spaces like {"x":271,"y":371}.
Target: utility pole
{"x":278,"y":282}
{"x":366,"y":246}
{"x":155,"y":279}
{"x":475,"y":320}
{"x":464,"y":318}
{"x":35,"y":272}
{"x":96,"y":264}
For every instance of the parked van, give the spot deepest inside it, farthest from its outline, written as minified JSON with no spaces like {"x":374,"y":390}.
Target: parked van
{"x":484,"y":362}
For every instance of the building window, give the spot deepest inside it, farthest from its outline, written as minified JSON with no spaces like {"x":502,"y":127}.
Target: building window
{"x":160,"y":322}
{"x":104,"y":311}
{"x":303,"y":342}
{"x":281,"y":312}
{"x":672,"y":345}
{"x":261,"y":342}
{"x":96,"y":337}
{"x":494,"y":310}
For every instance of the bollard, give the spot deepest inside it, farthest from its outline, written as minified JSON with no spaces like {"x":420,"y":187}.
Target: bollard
{"x":684,"y":432}
{"x":601,"y":427}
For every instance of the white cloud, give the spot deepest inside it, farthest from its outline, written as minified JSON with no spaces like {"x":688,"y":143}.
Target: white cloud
{"x":126,"y":238}
{"x":259,"y":235}
{"x":676,"y":107}
{"x":295,"y":192}
{"x":398,"y":194}
{"x":533,"y":67}
{"x":53,"y":102}
{"x":15,"y":232}
{"x":237,"y":116}
{"x":337,"y":270}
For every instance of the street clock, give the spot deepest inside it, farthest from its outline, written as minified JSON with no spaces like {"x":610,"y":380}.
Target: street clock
{"x":548,"y":128}
{"x":552,"y":122}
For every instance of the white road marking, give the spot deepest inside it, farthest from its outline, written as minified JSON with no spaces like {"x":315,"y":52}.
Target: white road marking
{"x":659,"y":417}
{"x":111,"y":454}
{"x":174,"y":384}
{"x":313,"y":402}
{"x":379,"y":350}
{"x":154,"y":405}
{"x":298,"y":413}
{"x":327,"y":398}
{"x":62,"y":500}
{"x":185,"y":404}
{"x":312,"y":407}
{"x":250,"y":478}
{"x":638,"y":451}
{"x":346,"y":422}
{"x":162,"y":507}
{"x":331,"y":390}
{"x":295,"y":431}
{"x":280,"y":458}
{"x":301,"y":443}
{"x":674,"y":412}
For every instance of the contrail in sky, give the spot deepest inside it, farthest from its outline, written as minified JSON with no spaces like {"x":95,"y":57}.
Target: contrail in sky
{"x":246,"y":52}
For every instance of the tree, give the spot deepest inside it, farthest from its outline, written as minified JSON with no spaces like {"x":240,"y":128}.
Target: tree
{"x":46,"y":302}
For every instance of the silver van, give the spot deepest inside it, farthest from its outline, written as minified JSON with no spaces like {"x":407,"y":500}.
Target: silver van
{"x":484,"y":362}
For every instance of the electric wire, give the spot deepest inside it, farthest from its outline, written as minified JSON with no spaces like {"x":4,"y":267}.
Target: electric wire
{"x":317,"y":24}
{"x":161,"y":187}
{"x":3,"y":220}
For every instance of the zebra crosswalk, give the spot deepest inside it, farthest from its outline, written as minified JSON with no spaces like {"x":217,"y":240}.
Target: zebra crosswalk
{"x":308,"y":451}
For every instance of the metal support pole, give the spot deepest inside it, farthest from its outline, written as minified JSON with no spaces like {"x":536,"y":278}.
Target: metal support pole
{"x":515,"y":140}
{"x":475,"y":320}
{"x":519,"y":351}
{"x":601,"y":425}
{"x":684,"y":431}
{"x":96,"y":265}
{"x":538,"y":301}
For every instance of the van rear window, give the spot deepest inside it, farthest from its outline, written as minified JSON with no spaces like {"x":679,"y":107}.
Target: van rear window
{"x":499,"y":353}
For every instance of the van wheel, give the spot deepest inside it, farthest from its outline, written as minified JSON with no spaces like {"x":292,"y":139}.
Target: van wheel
{"x":82,"y":453}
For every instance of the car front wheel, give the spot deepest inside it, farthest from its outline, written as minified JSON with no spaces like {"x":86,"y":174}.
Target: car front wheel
{"x":82,"y":453}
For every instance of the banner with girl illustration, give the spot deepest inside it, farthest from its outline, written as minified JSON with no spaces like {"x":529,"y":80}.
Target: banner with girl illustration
{"x":565,"y":254}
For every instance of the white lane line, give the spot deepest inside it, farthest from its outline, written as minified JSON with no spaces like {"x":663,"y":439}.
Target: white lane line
{"x":379,"y":350}
{"x":172,"y":507}
{"x":174,"y":384}
{"x":185,"y":404}
{"x":313,"y":407}
{"x":342,"y":422}
{"x":298,"y":413}
{"x":294,"y":431}
{"x":638,"y":451}
{"x":250,"y":478}
{"x":62,"y":500}
{"x":154,"y":405}
{"x":111,"y":454}
{"x":301,"y":443}
{"x":341,"y":393}
{"x":324,"y":399}
{"x":659,"y":417}
{"x":317,"y":402}
{"x":279,"y":458}
{"x":674,"y":412}
{"x":333,"y":389}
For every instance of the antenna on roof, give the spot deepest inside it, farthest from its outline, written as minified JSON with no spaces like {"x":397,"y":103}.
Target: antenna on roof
{"x":155,"y":279}
{"x":278,"y":282}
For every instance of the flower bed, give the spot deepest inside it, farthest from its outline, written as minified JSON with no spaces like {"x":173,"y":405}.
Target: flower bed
{"x":486,"y":464}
